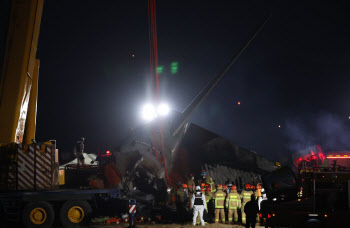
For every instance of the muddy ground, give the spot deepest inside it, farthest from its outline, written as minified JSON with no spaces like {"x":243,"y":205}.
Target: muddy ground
{"x":189,"y":225}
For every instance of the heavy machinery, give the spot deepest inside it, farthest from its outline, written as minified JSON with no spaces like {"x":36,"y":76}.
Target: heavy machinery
{"x":181,"y":143}
{"x":29,"y":191}
{"x":135,"y":167}
{"x":310,"y":197}
{"x":29,"y":170}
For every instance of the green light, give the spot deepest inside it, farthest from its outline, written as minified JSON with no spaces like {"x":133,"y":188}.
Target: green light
{"x":160,"y":69}
{"x":174,"y":67}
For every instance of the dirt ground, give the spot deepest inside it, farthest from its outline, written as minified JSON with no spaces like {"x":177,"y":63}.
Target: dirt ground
{"x":189,"y":225}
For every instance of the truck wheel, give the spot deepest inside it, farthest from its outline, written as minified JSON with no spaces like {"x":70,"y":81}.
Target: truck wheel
{"x":38,"y":214}
{"x":75,"y":213}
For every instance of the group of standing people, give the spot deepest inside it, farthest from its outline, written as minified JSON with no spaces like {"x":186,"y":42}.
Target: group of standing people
{"x":218,"y":202}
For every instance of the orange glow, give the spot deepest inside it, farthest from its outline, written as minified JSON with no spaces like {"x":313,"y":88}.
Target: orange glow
{"x":338,"y":157}
{"x":315,"y":158}
{"x":325,"y":215}
{"x":239,"y":103}
{"x":108,"y":153}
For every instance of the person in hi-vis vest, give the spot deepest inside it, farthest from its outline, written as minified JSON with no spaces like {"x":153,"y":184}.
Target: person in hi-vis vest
{"x":245,"y":196}
{"x":219,"y":199}
{"x":233,"y":203}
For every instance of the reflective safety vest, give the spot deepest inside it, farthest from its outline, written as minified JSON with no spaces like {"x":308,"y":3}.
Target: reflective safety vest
{"x":198,"y":199}
{"x":233,"y":201}
{"x":219,"y":198}
{"x":246,"y":196}
{"x":212,"y":185}
{"x":208,"y":196}
{"x":209,"y":180}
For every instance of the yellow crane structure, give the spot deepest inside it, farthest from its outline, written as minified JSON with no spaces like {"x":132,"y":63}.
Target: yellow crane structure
{"x":29,"y":186}
{"x":25,"y":165}
{"x":19,"y":71}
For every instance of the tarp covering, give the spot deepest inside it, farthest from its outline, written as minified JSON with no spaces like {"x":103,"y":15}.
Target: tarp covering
{"x":88,"y":159}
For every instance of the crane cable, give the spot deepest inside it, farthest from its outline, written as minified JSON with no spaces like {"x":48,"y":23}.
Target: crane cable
{"x":154,"y":73}
{"x":152,"y":70}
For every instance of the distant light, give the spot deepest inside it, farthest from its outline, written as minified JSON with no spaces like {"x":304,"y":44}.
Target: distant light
{"x":279,"y":126}
{"x":174,"y":67}
{"x":239,"y":103}
{"x":163,"y":109}
{"x":149,"y":112}
{"x":108,"y":152}
{"x":160,"y":69}
{"x":133,"y":56}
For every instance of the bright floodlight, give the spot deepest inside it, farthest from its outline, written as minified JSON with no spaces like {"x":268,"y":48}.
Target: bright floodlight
{"x":148,"y":112}
{"x":163,"y":109}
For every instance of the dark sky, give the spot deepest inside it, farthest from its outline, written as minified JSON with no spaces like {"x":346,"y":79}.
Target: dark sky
{"x":294,"y":73}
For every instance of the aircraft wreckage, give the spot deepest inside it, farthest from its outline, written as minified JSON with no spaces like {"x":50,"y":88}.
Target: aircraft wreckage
{"x":140,"y":173}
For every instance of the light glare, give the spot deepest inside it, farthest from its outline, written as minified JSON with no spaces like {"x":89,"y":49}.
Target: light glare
{"x":163,"y":109}
{"x":148,"y":112}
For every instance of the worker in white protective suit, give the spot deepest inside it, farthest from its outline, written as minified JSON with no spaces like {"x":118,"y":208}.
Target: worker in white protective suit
{"x":262,"y":197}
{"x":198,"y":203}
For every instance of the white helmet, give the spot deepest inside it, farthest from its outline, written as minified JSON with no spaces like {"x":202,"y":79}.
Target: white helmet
{"x":198,"y":188}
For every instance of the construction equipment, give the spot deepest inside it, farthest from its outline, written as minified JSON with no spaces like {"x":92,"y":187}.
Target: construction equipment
{"x":29,"y":170}
{"x":28,"y":167}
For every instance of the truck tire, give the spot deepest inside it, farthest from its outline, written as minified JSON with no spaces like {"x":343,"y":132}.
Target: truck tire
{"x":38,"y":214}
{"x":75,"y":213}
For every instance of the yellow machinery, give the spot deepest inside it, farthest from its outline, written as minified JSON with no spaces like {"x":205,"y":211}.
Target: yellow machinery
{"x":19,"y":71}
{"x":29,"y":170}
{"x":18,"y":101}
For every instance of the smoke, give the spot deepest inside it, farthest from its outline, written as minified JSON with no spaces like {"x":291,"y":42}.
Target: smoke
{"x":328,"y":130}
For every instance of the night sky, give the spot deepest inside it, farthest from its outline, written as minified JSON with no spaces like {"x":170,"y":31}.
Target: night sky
{"x":294,"y":74}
